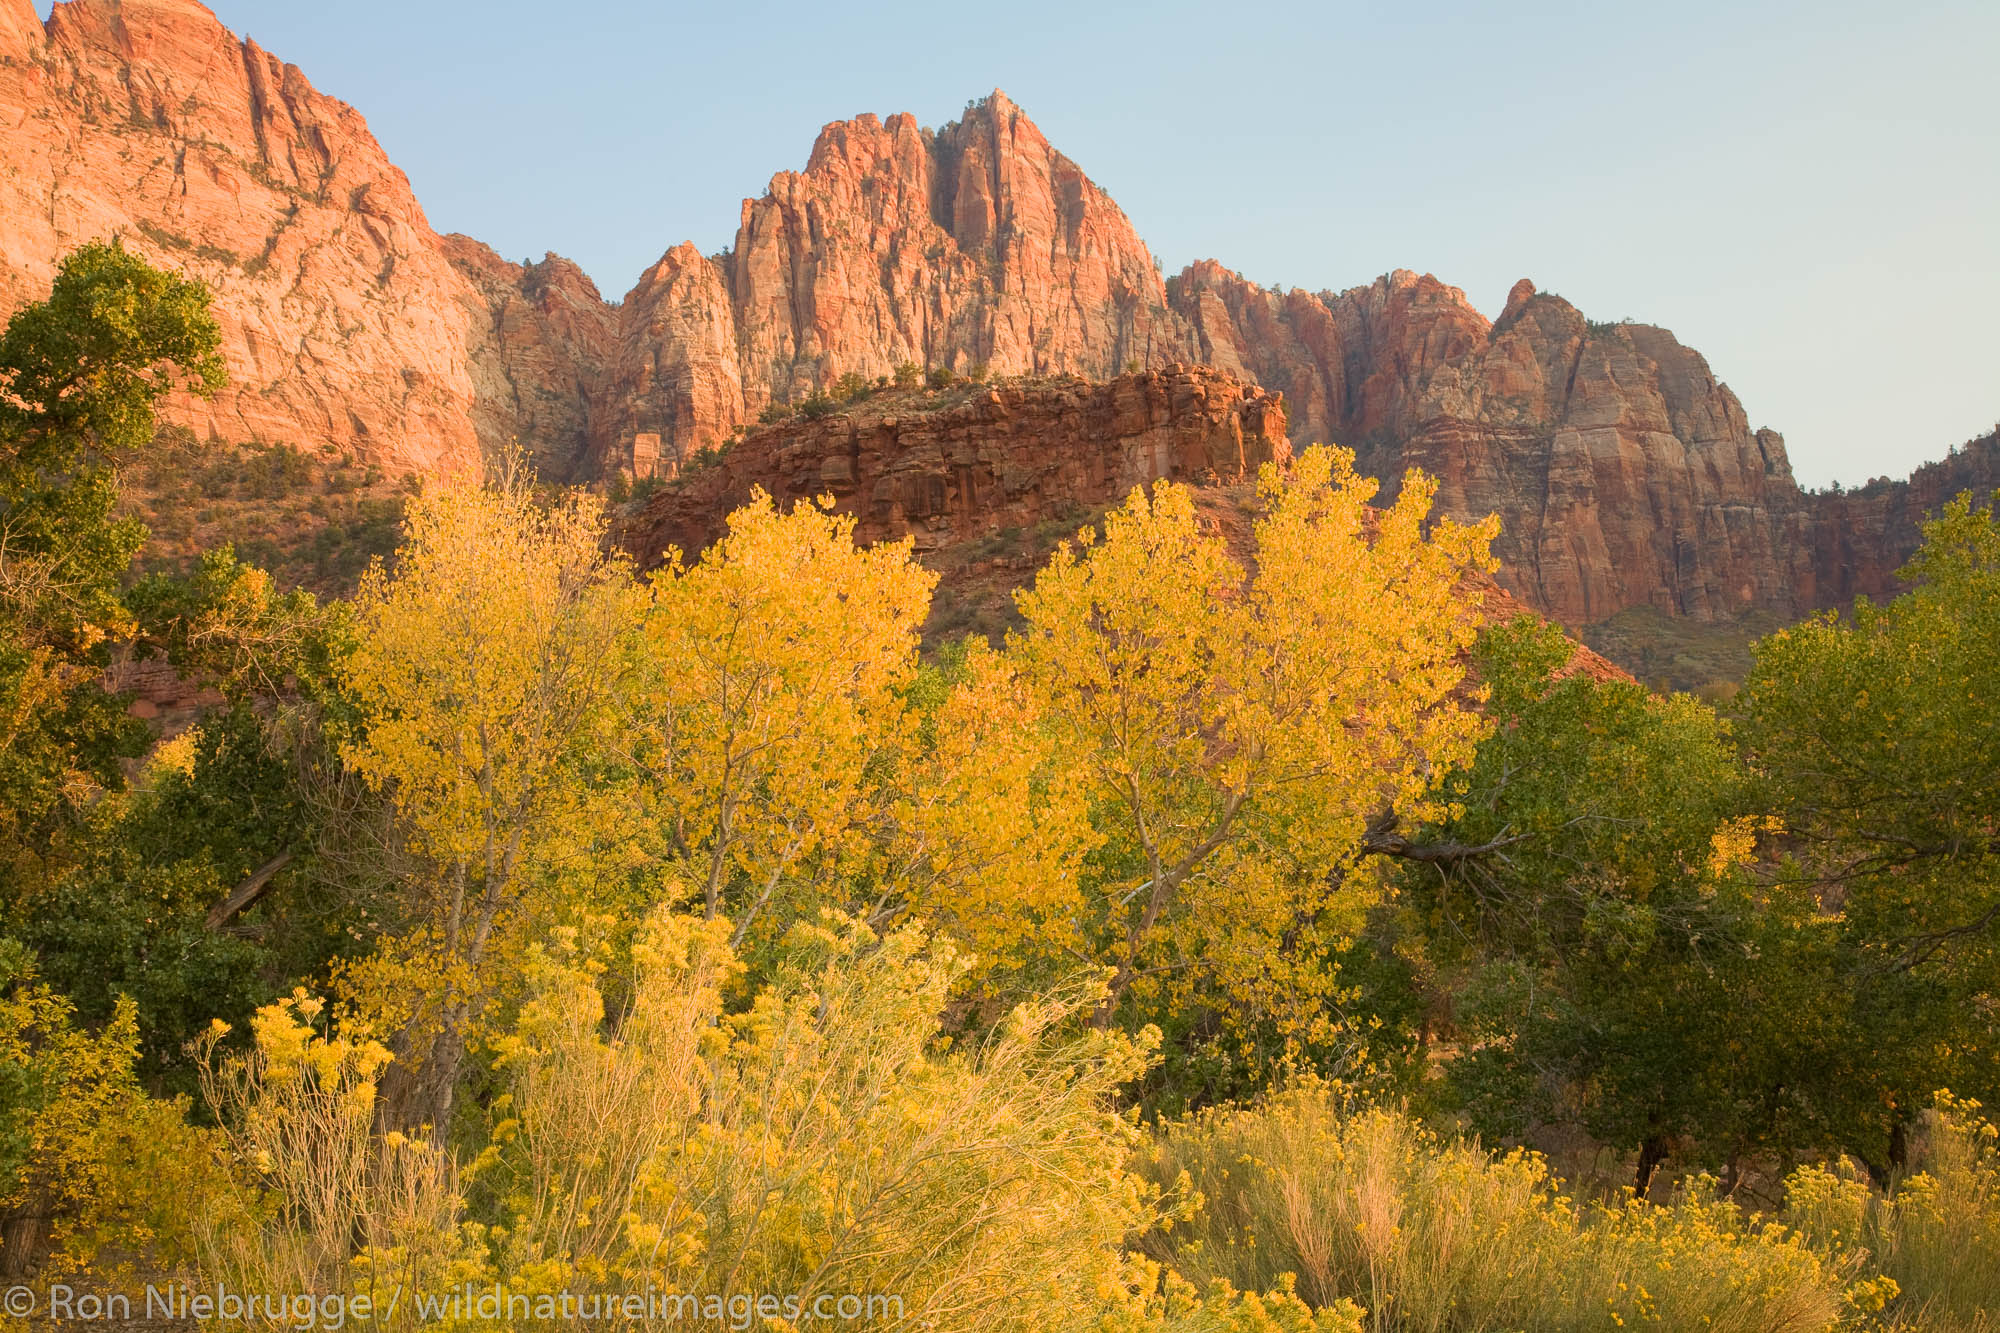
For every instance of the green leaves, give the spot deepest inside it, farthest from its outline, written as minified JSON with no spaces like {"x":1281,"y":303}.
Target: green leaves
{"x":227,"y":623}
{"x":1615,"y":967}
{"x":86,"y":367}
{"x":1879,"y":738}
{"x":80,"y":374}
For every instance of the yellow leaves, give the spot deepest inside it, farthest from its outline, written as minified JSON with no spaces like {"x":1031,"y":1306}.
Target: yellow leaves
{"x":291,"y":1059}
{"x":1237,"y":728}
{"x":776,"y":665}
{"x":489,"y":672}
{"x":113,"y":1167}
{"x":993,"y":825}
{"x":1163,"y":773}
{"x":1734,"y":842}
{"x":173,"y":756}
{"x":484,"y":668}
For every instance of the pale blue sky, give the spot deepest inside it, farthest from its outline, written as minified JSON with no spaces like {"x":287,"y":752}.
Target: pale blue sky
{"x":1808,"y":193}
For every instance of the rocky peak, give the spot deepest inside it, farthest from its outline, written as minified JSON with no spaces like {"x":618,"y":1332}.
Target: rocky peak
{"x":20,"y":30}
{"x":976,"y":245}
{"x":1518,"y":297}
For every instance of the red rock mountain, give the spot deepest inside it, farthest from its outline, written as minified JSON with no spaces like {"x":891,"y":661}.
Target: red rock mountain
{"x":977,"y":244}
{"x":1625,"y":473}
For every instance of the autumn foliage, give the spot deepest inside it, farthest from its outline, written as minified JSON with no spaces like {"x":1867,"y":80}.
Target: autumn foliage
{"x":1213,"y":951}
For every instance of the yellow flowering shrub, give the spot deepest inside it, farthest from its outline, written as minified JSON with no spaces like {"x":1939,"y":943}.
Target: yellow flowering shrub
{"x":1933,"y":1240}
{"x":823,"y":1141}
{"x":328,"y":1203}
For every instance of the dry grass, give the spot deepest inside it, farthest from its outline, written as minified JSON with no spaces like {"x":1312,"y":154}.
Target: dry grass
{"x":1935,"y":1235}
{"x":1437,"y":1235}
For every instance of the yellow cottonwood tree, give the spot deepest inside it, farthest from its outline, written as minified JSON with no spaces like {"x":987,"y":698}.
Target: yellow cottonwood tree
{"x":991,"y":830}
{"x":774,"y":708}
{"x":487,"y":670}
{"x":1237,"y":730}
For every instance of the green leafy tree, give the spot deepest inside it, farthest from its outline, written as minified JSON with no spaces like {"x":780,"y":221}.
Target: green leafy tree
{"x":133,"y":919}
{"x":226,"y":622}
{"x":1609,"y":961}
{"x":1879,"y":738}
{"x":80,"y":376}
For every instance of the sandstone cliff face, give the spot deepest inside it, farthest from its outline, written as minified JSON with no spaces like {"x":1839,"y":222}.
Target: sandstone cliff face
{"x":1349,"y":365}
{"x":345,"y":323}
{"x":538,"y":336}
{"x":944,"y":469}
{"x":1860,"y":538}
{"x":20,"y":30}
{"x":1623,"y":472}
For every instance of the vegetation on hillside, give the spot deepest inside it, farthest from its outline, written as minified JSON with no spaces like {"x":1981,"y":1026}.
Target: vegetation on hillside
{"x":1676,"y":653}
{"x":1210,"y":953}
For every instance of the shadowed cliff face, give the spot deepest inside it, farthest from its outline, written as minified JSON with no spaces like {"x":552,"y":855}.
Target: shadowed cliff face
{"x":1625,"y":474}
{"x":946,"y":468}
{"x":1861,"y":538}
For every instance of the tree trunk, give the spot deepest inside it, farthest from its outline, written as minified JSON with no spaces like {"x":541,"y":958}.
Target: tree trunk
{"x":438,"y":1079}
{"x":1651,"y":1153}
{"x":23,"y":1231}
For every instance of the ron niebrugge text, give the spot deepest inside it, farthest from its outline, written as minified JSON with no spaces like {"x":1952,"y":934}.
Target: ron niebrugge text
{"x":336,"y":1310}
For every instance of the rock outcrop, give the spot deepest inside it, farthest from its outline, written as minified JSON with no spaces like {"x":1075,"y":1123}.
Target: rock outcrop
{"x":947,"y":468}
{"x":985,"y":478}
{"x":1860,"y":538}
